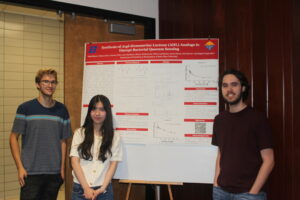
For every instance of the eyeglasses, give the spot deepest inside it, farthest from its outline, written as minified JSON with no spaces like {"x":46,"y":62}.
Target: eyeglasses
{"x":47,"y":82}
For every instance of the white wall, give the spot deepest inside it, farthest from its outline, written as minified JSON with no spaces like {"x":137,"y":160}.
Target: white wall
{"x":146,"y":8}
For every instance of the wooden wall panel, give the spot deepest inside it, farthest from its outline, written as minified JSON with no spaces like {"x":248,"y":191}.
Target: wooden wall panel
{"x":259,"y":72}
{"x":277,"y":66}
{"x":296,"y":98}
{"x":262,"y":39}
{"x":78,"y":31}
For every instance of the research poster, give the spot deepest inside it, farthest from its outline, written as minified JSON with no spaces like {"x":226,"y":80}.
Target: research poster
{"x":162,"y":91}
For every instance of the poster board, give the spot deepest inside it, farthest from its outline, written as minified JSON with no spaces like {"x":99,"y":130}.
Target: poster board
{"x":165,"y":96}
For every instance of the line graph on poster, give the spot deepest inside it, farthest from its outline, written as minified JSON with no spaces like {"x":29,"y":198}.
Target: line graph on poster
{"x":166,"y":131}
{"x":201,"y":74}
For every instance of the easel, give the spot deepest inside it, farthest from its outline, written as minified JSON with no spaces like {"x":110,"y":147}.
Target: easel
{"x":156,"y":183}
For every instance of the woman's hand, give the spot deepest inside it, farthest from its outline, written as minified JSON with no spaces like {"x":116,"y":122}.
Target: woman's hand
{"x":89,"y":193}
{"x":98,"y":192}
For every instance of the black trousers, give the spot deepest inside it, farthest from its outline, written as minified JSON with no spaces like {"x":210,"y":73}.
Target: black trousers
{"x":41,"y":187}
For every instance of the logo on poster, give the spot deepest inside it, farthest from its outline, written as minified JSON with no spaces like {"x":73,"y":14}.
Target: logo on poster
{"x":209,"y":45}
{"x":93,"y":49}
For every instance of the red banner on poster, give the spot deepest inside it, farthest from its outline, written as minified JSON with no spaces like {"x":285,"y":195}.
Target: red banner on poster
{"x":154,"y":50}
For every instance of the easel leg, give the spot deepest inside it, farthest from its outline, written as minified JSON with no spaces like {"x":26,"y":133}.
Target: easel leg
{"x":170,"y":192}
{"x":128,"y":191}
{"x":157,"y":192}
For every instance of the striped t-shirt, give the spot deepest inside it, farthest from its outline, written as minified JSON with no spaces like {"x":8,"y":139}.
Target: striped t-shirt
{"x":42,"y":129}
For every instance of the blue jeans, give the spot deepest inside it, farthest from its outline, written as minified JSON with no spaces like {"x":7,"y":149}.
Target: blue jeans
{"x":219,"y":194}
{"x":77,"y":193}
{"x":41,"y":187}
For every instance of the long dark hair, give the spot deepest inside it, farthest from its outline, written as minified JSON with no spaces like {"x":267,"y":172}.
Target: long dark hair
{"x":107,"y":131}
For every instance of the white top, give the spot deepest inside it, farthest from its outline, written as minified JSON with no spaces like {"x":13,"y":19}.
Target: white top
{"x":95,"y":170}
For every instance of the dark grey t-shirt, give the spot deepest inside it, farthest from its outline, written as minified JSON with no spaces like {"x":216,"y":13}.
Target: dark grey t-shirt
{"x":42,"y":129}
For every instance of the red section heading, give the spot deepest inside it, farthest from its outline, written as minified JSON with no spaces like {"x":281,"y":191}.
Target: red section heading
{"x":201,"y":103}
{"x":132,"y":62}
{"x":126,"y":113}
{"x":132,"y":129}
{"x":197,"y":135}
{"x":201,"y":88}
{"x":100,"y":63}
{"x":198,"y":120}
{"x":181,"y":49}
{"x":165,"y":61}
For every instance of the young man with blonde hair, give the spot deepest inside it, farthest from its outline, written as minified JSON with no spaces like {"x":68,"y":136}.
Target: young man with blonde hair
{"x":44,"y":126}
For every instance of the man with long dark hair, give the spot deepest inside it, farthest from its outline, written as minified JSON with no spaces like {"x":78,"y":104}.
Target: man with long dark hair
{"x":44,"y":126}
{"x":245,"y":155}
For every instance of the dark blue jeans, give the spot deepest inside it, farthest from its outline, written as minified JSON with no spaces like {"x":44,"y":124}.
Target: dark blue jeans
{"x":41,"y":187}
{"x":219,"y":194}
{"x":77,"y":193}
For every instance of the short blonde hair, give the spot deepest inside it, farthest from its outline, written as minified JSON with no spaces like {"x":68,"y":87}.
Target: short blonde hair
{"x":42,"y":72}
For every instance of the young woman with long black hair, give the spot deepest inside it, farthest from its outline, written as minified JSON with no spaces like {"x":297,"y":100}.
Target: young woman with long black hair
{"x":95,"y":152}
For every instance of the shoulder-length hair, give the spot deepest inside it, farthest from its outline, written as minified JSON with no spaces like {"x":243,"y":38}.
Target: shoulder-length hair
{"x":107,"y":131}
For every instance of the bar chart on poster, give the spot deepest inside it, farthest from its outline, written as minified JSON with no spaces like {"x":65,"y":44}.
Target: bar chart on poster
{"x":164,"y":96}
